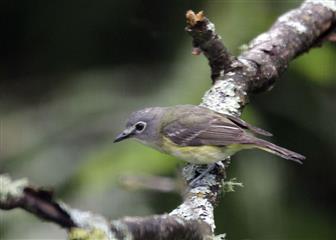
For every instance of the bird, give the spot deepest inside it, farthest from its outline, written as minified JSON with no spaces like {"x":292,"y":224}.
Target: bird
{"x":197,"y":134}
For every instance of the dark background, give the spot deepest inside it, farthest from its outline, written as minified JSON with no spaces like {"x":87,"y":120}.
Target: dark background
{"x":71,"y":72}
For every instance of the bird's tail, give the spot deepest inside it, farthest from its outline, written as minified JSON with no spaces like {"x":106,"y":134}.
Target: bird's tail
{"x":280,"y":151}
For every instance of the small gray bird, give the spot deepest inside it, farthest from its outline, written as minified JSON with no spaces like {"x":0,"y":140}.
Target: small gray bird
{"x":197,"y":134}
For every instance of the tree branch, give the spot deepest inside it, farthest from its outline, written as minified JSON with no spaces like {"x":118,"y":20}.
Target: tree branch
{"x":255,"y":70}
{"x":207,"y":41}
{"x":19,"y":194}
{"x":269,"y":54}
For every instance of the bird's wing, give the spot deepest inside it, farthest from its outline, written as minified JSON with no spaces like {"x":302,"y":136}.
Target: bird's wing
{"x":248,"y":126}
{"x":212,"y":130}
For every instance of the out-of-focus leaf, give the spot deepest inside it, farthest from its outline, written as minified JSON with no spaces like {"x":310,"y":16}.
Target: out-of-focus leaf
{"x":104,"y":166}
{"x":318,"y":66}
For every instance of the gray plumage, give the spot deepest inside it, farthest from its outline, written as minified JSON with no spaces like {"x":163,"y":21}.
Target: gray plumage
{"x":192,"y":126}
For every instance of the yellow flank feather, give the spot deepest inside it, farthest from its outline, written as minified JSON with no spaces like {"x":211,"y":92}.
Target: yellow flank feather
{"x":199,"y":154}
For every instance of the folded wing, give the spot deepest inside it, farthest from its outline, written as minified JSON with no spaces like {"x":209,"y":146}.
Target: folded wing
{"x":214,"y":131}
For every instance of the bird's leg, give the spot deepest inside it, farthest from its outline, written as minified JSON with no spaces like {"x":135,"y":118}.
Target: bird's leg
{"x":211,"y":167}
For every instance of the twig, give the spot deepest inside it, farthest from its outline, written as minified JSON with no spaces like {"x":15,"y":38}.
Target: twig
{"x":148,"y":182}
{"x":18,"y":194}
{"x":207,"y":41}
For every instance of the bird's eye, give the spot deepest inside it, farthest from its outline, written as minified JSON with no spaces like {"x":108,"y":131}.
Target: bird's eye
{"x":140,"y":126}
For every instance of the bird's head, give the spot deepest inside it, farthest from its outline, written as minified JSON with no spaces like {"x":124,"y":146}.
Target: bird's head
{"x":142,"y":125}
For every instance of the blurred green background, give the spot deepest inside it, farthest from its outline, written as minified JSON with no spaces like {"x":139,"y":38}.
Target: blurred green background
{"x":71,"y":72}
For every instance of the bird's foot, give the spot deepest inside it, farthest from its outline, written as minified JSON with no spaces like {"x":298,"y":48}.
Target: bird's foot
{"x":196,"y":181}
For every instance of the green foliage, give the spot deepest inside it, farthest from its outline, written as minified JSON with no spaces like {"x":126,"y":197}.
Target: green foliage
{"x":318,"y":65}
{"x":103,"y":167}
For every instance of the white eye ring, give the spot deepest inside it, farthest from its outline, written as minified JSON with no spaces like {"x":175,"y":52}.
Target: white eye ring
{"x":140,"y":126}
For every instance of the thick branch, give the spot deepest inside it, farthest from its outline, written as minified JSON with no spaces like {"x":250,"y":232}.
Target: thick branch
{"x":256,"y":69}
{"x":269,"y":54}
{"x":291,"y":35}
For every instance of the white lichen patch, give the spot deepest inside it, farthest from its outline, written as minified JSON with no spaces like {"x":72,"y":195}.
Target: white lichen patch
{"x":200,"y":190}
{"x":211,"y":27}
{"x":197,"y":205}
{"x":330,"y":4}
{"x":223,"y":97}
{"x":299,"y":27}
{"x":276,"y":33}
{"x":11,"y":189}
{"x":287,"y":16}
{"x":266,"y":37}
{"x":249,"y":65}
{"x":196,"y":208}
{"x":88,"y":220}
{"x":289,"y":21}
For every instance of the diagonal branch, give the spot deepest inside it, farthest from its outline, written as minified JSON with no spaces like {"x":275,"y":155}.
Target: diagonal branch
{"x":269,"y":54}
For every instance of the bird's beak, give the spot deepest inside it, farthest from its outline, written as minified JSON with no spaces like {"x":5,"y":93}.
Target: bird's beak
{"x":128,"y":132}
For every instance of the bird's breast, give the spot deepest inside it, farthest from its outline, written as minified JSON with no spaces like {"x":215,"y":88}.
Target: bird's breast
{"x":195,"y":154}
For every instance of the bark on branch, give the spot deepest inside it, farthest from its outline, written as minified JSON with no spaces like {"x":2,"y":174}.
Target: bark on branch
{"x":234,"y":78}
{"x":86,"y":225}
